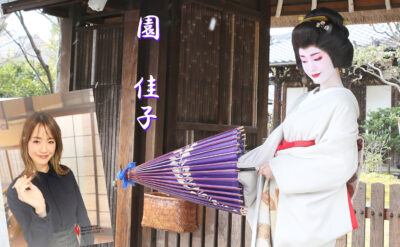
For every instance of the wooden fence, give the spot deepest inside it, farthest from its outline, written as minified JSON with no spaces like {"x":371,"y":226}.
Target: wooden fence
{"x":377,"y":215}
{"x":221,"y":229}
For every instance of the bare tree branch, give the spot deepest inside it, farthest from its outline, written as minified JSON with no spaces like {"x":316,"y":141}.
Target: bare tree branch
{"x":380,"y":76}
{"x":27,"y":60}
{"x":52,"y":21}
{"x":37,"y":51}
{"x":3,"y":22}
{"x":393,"y":36}
{"x":381,"y":32}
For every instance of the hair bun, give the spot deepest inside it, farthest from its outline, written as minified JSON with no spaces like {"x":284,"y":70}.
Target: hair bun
{"x":324,"y":29}
{"x":333,"y":17}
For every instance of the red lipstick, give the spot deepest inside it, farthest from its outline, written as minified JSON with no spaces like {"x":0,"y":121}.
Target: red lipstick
{"x":315,"y":75}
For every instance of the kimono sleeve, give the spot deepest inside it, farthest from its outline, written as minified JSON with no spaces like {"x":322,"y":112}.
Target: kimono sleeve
{"x":328,"y":164}
{"x":37,"y":231}
{"x":87,"y":237}
{"x":256,"y":158}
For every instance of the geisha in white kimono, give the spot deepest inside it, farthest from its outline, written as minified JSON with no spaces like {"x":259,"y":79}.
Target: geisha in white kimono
{"x":305,"y":202}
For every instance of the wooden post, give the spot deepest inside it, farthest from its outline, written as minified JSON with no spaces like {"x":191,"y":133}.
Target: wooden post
{"x":223,"y":229}
{"x":173,"y":75}
{"x":172,"y":239}
{"x":156,"y":65}
{"x":127,"y":126}
{"x":394,"y":214}
{"x":377,"y":210}
{"x":185,"y":240}
{"x":236,"y":230}
{"x":279,"y":8}
{"x":358,"y":236}
{"x":198,"y":235}
{"x":65,"y":56}
{"x":341,"y":242}
{"x":351,"y":6}
{"x":263,"y":58}
{"x":210,"y":230}
{"x":277,"y":103}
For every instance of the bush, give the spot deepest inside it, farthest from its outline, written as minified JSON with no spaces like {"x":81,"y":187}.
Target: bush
{"x":381,"y":135}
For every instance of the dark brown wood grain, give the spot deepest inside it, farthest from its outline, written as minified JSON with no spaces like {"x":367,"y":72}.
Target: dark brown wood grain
{"x":28,"y":4}
{"x":262,"y":88}
{"x":127,"y":126}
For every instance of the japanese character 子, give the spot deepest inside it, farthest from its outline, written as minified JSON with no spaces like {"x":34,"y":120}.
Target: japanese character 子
{"x":147,"y":118}
{"x":149,"y":28}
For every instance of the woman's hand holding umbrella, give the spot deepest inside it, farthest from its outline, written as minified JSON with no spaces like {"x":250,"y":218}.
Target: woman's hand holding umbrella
{"x":266,"y":171}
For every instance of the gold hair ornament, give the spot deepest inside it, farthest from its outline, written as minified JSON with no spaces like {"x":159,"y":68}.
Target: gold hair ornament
{"x":317,"y":18}
{"x":313,"y":18}
{"x":321,"y":23}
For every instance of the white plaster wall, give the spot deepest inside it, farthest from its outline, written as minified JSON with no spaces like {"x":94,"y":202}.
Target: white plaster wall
{"x":378,"y":97}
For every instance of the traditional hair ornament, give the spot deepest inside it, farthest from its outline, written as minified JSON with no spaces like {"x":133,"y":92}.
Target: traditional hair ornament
{"x":324,"y":26}
{"x":313,"y":18}
{"x":321,"y":22}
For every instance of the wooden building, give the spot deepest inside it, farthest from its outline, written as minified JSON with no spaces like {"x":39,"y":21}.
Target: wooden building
{"x":210,"y":78}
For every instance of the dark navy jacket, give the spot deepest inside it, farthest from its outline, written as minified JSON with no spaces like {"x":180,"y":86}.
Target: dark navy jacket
{"x":64,"y":205}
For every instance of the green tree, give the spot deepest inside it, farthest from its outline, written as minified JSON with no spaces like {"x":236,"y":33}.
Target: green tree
{"x":381,"y":136}
{"x":37,"y":70}
{"x":17,"y":79}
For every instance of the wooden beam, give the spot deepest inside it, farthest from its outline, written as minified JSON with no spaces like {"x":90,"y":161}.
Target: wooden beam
{"x":377,"y":219}
{"x":127,"y":127}
{"x":313,"y":4}
{"x":302,"y":9}
{"x":156,"y":65}
{"x":277,"y":104}
{"x":394,"y":220}
{"x":65,"y":55}
{"x":351,"y":6}
{"x":278,"y":8}
{"x":173,"y":51}
{"x":388,"y":5}
{"x":263,"y":68}
{"x":229,"y":6}
{"x":357,"y":17}
{"x":36,"y":4}
{"x":256,"y":60}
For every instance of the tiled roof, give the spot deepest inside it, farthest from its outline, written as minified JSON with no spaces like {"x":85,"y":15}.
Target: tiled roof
{"x":281,"y":51}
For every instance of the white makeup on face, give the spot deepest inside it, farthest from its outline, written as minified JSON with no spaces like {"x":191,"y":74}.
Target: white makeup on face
{"x":318,"y":65}
{"x":41,"y":147}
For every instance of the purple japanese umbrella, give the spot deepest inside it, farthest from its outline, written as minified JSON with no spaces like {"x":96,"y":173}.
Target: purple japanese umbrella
{"x":204,"y":172}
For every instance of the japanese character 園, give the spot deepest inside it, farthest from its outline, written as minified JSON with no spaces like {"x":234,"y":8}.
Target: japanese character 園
{"x":149,"y":27}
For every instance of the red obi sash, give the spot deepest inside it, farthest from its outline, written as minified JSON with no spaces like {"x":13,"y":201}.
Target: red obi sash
{"x":285,"y":145}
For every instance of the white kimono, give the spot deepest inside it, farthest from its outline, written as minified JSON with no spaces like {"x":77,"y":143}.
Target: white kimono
{"x":313,"y":208}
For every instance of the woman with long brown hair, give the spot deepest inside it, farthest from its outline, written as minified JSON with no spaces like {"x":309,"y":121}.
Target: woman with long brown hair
{"x":45,"y":199}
